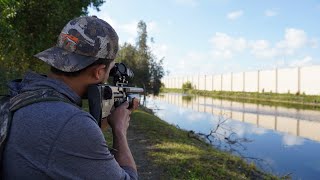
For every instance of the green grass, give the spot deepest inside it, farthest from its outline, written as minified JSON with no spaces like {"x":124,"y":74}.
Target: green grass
{"x":183,"y":157}
{"x":298,"y":101}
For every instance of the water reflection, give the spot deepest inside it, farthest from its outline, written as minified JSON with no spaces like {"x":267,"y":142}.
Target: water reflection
{"x":301,"y":123}
{"x":284,"y":139}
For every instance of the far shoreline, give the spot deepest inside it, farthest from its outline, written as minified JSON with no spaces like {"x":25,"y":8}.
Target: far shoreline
{"x":297,"y":101}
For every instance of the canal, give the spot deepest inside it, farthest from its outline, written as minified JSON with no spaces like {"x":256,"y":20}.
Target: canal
{"x":278,"y":140}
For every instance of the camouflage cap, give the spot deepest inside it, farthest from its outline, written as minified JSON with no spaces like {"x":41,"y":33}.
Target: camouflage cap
{"x":81,"y":42}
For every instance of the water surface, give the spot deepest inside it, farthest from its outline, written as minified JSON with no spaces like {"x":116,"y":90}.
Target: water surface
{"x":279,"y":140}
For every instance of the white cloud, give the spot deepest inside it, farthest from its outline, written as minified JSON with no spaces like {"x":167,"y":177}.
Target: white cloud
{"x":260,"y":45}
{"x":232,"y":67}
{"x":293,"y":39}
{"x":240,"y":129}
{"x":223,"y":54}
{"x":130,"y":40}
{"x":313,"y":43}
{"x":191,"y":63}
{"x":195,"y":117}
{"x":223,"y":41}
{"x":279,"y":63}
{"x":109,"y":20}
{"x":182,"y":111}
{"x":258,"y":130}
{"x":196,"y":60}
{"x":224,"y":45}
{"x":130,"y":28}
{"x":159,"y":50}
{"x":262,"y":49}
{"x":234,"y":15}
{"x":126,"y":29}
{"x":302,"y":62}
{"x":291,"y":140}
{"x":152,"y":26}
{"x":270,"y":13}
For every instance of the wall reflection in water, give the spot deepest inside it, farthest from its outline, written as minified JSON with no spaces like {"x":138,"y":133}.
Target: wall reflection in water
{"x":302,"y":123}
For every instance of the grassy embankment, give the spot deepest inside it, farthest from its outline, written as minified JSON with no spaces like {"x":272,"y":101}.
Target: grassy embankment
{"x":182,"y":157}
{"x":299,"y":101}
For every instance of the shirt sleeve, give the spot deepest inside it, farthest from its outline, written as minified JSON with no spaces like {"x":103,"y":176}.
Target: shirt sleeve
{"x":80,"y":152}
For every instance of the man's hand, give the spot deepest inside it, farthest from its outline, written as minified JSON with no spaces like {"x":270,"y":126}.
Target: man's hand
{"x":119,"y":122}
{"x":104,"y":121}
{"x":119,"y":118}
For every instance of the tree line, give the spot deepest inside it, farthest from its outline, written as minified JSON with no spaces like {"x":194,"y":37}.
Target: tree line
{"x":148,"y":70}
{"x":31,"y":26}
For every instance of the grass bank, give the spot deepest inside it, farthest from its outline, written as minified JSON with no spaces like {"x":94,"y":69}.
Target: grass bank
{"x":299,"y":101}
{"x":181,"y":157}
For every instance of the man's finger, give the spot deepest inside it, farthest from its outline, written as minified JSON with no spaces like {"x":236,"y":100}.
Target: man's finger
{"x":125,"y":104}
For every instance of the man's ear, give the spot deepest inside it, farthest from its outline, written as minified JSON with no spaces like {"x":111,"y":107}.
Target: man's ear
{"x":99,"y":72}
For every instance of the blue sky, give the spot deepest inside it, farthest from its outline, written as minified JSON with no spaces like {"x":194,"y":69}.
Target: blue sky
{"x":222,"y":36}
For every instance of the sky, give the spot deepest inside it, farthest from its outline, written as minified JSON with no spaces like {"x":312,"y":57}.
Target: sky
{"x":208,"y":37}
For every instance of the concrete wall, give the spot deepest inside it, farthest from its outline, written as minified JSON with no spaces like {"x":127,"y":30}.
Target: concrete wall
{"x":288,"y":80}
{"x":208,"y":82}
{"x":251,"y":81}
{"x":310,"y":80}
{"x":217,"y":83}
{"x":202,"y":82}
{"x":226,"y":82}
{"x":301,"y":79}
{"x":237,"y":82}
{"x":267,"y":81}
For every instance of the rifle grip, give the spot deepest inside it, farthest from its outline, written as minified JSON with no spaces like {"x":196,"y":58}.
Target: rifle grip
{"x":94,"y":100}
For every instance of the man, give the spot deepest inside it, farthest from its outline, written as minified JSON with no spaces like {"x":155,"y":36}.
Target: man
{"x":56,"y":139}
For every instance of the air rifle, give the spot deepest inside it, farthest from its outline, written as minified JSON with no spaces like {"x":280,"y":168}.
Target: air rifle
{"x":102,"y":97}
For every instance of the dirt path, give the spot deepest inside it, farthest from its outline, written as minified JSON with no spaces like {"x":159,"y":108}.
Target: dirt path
{"x":139,"y":147}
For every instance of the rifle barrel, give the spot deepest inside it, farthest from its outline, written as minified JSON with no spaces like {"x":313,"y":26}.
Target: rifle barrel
{"x":134,"y":90}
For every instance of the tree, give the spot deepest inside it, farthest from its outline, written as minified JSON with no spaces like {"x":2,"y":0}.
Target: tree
{"x":143,"y":56}
{"x":157,"y":73}
{"x":128,"y":55}
{"x":147,"y":61}
{"x":147,"y":69}
{"x":187,"y":86}
{"x":30,"y":26}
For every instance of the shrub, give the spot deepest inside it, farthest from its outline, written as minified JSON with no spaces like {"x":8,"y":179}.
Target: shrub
{"x":187,"y":86}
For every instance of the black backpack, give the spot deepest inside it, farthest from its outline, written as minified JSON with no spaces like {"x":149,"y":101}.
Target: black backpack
{"x":8,"y":105}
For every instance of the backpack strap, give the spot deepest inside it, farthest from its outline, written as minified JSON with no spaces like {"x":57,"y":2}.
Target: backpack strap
{"x":30,"y":97}
{"x":8,"y":105}
{"x":41,"y":95}
{"x":5,"y":118}
{"x":5,"y":122}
